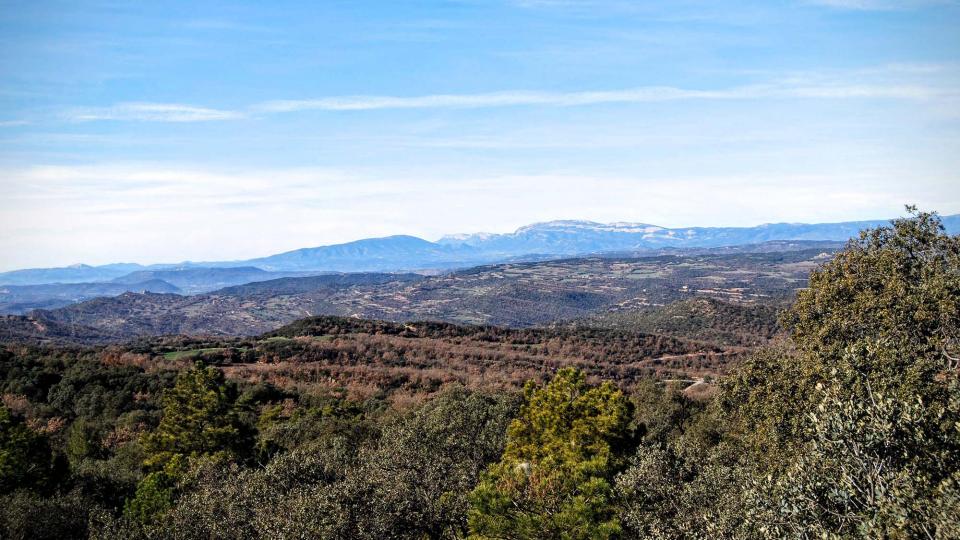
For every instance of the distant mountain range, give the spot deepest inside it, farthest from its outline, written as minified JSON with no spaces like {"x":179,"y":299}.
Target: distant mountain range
{"x":17,"y":299}
{"x":541,"y":240}
{"x":23,"y":298}
{"x":545,"y":240}
{"x":555,"y":239}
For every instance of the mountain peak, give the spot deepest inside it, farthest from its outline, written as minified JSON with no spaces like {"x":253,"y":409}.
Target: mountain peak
{"x":466,"y":238}
{"x":572,"y":225}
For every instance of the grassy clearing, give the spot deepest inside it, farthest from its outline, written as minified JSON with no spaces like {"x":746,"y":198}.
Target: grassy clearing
{"x":180,"y":355}
{"x":275,"y":339}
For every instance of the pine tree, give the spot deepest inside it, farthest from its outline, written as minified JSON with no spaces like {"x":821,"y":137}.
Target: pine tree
{"x":198,"y":418}
{"x":554,"y":478}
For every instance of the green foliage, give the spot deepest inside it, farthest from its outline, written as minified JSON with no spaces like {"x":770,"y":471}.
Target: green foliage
{"x":420,"y":475}
{"x":876,"y":468}
{"x":89,"y":389}
{"x":25,"y":515}
{"x":884,"y":312}
{"x":83,"y":441}
{"x":649,"y":492}
{"x":25,"y":456}
{"x":198,"y":418}
{"x":285,"y":426}
{"x":699,"y":318}
{"x":850,"y":430}
{"x":661,"y":411}
{"x":854,"y":432}
{"x":553,"y":480}
{"x":153,"y":497}
{"x":412,"y":481}
{"x":687,"y":487}
{"x":894,"y":294}
{"x":764,"y":403}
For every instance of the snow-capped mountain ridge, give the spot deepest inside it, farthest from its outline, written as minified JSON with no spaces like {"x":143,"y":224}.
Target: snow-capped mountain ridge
{"x":561,"y":238}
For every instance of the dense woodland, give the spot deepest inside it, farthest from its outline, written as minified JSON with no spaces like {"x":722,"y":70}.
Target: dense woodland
{"x":847,"y":426}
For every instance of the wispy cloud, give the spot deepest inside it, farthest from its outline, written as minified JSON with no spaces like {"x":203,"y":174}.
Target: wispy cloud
{"x":493,"y":99}
{"x":13,"y":123}
{"x":900,"y":82}
{"x":151,"y":112}
{"x":633,"y":95}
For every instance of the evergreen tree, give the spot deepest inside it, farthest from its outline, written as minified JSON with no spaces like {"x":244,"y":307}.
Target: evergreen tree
{"x":198,"y":421}
{"x":198,"y":418}
{"x":554,"y":478}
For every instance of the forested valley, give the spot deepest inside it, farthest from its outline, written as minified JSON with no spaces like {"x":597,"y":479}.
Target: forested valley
{"x":843,"y":421}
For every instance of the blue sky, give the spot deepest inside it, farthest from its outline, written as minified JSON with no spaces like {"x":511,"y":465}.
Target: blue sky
{"x":170,"y":131}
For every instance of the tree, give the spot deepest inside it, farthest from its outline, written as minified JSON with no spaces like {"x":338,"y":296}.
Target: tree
{"x":853,"y":429}
{"x":413,"y":481}
{"x":650,"y":492}
{"x":198,"y":419}
{"x":419,"y":477}
{"x":884,"y":312}
{"x":876,"y":468}
{"x":893,"y":295}
{"x":26,"y":515}
{"x":554,"y":478}
{"x":25,"y":456}
{"x":82,"y":441}
{"x":154,"y":496}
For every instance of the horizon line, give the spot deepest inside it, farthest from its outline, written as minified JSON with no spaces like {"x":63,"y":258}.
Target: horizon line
{"x":518,"y":229}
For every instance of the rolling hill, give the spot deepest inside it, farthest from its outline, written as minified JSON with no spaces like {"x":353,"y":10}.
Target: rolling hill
{"x":511,"y":294}
{"x":18,"y":299}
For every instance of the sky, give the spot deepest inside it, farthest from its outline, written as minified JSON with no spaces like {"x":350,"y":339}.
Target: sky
{"x":171,"y":131}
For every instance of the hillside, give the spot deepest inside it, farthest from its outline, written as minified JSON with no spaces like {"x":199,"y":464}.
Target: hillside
{"x":515,"y":295}
{"x":411,"y":358}
{"x":340,"y":413}
{"x":19,"y":299}
{"x":198,"y":280}
{"x":27,"y":330}
{"x":701,"y":318}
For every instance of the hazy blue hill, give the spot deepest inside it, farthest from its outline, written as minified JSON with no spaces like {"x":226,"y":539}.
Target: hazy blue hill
{"x":373,"y":254}
{"x":68,"y":274}
{"x":192,"y":280}
{"x":18,"y":299}
{"x":555,"y":238}
{"x":561,"y":238}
